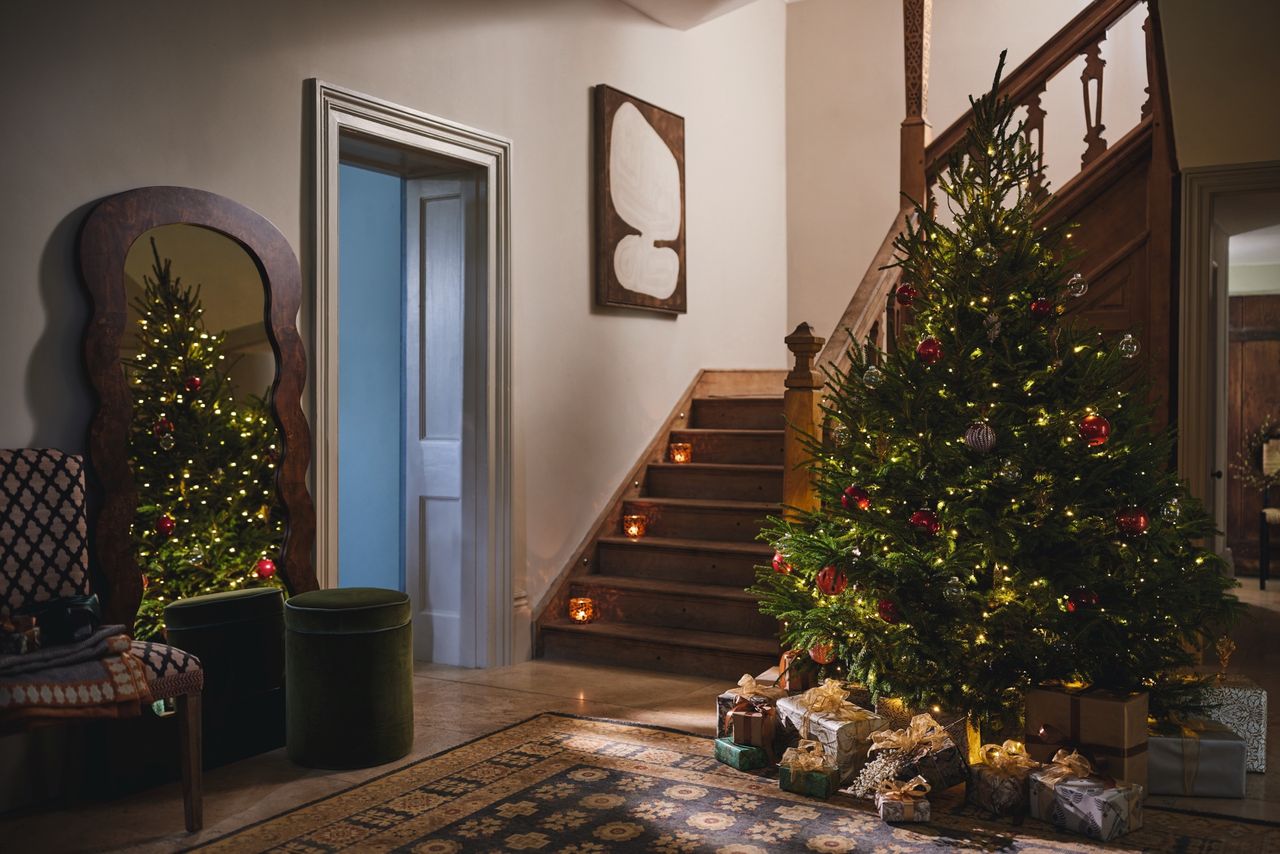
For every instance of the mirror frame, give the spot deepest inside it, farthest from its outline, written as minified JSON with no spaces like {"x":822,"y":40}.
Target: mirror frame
{"x":108,"y":232}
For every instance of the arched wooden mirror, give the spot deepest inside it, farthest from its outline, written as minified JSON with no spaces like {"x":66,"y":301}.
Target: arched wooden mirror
{"x":199,"y":442}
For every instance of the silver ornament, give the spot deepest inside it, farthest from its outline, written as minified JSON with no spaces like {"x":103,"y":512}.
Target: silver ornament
{"x":1009,"y":472}
{"x":992,"y":323}
{"x":1128,"y":346}
{"x":873,"y":377}
{"x":980,"y":437}
{"x":953,"y":591}
{"x":1077,"y":285}
{"x":166,"y":442}
{"x":1172,"y":511}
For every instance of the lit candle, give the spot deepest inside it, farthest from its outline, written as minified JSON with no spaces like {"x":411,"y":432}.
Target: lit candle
{"x":681,"y":452}
{"x":634,"y":526}
{"x":582,"y":609}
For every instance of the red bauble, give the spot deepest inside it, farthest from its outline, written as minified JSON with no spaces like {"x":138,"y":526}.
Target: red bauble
{"x":1095,"y":430}
{"x":1132,"y":521}
{"x":165,"y":525}
{"x":823,"y":653}
{"x":831,"y":581}
{"x":1041,"y":308}
{"x":926,"y":520}
{"x":1081,"y":598}
{"x":780,"y":563}
{"x":855,"y":496}
{"x":265,"y":568}
{"x":888,"y":610}
{"x":162,"y":427}
{"x":929,"y":351}
{"x":193,"y":384}
{"x":906,"y":295}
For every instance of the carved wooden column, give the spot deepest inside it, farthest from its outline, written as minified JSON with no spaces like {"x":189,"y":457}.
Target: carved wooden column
{"x":916,"y":18}
{"x":801,"y":405}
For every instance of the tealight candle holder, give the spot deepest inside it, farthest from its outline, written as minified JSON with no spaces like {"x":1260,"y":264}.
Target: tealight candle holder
{"x":681,"y":452}
{"x":634,"y":526}
{"x":582,"y":609}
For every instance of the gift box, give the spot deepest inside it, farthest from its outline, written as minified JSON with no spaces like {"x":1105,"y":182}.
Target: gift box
{"x":797,"y":671}
{"x":805,"y":770}
{"x":1200,"y":758}
{"x":1108,"y":728}
{"x":748,"y":686}
{"x":1067,"y":795}
{"x":903,"y":801}
{"x":1000,"y":783}
{"x":825,"y":715}
{"x":744,"y":757}
{"x":754,"y":723}
{"x":929,"y":752}
{"x":1240,"y":704}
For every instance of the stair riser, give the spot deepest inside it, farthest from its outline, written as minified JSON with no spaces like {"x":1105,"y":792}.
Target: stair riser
{"x":713,"y":664}
{"x":674,"y":565}
{"x":729,"y":484}
{"x":737,"y":414}
{"x":700,"y":523}
{"x":699,"y":613}
{"x":732,"y":448}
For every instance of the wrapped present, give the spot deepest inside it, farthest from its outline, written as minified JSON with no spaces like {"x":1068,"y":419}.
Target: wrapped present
{"x":1108,"y":728}
{"x":805,"y":770}
{"x":19,"y":634}
{"x":929,"y":750}
{"x":748,"y":686}
{"x":1201,"y":758}
{"x":825,"y":714}
{"x":797,"y":671}
{"x":901,"y":801}
{"x":1240,"y":704}
{"x":744,"y":757}
{"x":1067,"y":795}
{"x":999,"y":783}
{"x":754,"y":722}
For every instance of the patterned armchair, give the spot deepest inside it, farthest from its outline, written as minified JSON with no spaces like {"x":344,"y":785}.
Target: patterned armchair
{"x":43,"y":556}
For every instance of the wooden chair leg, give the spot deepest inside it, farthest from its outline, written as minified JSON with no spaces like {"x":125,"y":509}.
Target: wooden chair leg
{"x":192,"y":761}
{"x":1264,"y":553}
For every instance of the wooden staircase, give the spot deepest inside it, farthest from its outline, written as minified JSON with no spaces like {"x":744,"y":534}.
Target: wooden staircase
{"x":675,"y":599}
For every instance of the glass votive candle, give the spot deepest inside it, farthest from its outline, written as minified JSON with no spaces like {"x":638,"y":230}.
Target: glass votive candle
{"x":681,"y":452}
{"x":634,"y":526}
{"x":582,"y":609}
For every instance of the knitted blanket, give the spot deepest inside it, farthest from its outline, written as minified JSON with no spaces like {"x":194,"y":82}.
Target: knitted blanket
{"x":97,"y":678}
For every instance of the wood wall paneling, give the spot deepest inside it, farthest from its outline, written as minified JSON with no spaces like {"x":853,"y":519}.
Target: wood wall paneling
{"x":1253,"y":393}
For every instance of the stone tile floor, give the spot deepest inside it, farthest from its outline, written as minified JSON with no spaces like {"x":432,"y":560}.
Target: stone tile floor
{"x":454,"y":705}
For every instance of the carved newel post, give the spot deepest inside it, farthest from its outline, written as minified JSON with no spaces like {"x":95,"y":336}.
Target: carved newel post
{"x":801,"y":406}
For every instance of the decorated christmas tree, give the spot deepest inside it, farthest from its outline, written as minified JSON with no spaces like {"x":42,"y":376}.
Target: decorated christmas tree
{"x":208,"y":519}
{"x":997,"y":510}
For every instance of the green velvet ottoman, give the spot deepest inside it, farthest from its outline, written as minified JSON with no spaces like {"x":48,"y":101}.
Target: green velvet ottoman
{"x":239,"y":638}
{"x":348,"y":677}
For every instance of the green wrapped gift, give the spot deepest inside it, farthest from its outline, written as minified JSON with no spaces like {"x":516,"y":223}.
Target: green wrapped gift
{"x":806,"y":771}
{"x":744,"y":757}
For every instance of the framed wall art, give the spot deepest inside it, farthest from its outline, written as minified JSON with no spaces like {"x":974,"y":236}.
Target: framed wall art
{"x":639,"y":196}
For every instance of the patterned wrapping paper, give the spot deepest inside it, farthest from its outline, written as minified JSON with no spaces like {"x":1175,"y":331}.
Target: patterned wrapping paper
{"x":999,"y":784}
{"x":1107,"y":727}
{"x":744,"y":757}
{"x":903,"y":801}
{"x":1088,"y":805}
{"x":1241,"y":704}
{"x":838,"y":725}
{"x":1206,"y":760}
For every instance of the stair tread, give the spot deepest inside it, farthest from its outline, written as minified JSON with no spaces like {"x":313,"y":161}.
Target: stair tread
{"x":719,"y":397}
{"x":708,"y":503}
{"x":686,"y":543}
{"x":657,"y":585}
{"x":720,"y":641}
{"x":733,"y":431}
{"x":760,"y":467}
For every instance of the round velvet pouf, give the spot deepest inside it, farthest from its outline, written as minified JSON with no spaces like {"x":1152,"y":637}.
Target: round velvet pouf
{"x":348,"y":677}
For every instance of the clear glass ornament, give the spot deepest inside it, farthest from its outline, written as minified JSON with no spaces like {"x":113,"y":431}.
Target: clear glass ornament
{"x":1172,"y":511}
{"x":992,"y":323}
{"x":873,"y":377}
{"x":1009,"y":472}
{"x":1077,"y":285}
{"x":166,"y":442}
{"x":953,"y":590}
{"x":196,"y":556}
{"x":1128,"y":346}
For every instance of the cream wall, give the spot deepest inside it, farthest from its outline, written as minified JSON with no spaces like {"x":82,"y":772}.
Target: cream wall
{"x":104,"y":97}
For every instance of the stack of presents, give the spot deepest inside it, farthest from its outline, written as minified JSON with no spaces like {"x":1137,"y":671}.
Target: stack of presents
{"x":1087,"y":760}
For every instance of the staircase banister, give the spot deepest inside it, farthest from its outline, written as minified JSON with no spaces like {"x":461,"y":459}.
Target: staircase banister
{"x":1082,"y":31}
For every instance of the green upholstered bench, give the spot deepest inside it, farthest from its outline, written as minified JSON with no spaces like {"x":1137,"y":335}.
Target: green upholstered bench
{"x":238,"y":635}
{"x":348,"y":677}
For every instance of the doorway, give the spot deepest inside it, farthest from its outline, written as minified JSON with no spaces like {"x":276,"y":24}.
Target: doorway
{"x":412,"y":364}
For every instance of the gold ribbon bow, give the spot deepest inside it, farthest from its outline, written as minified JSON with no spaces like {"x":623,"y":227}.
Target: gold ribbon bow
{"x":922,"y":731}
{"x":806,"y":756}
{"x":893,"y":790}
{"x":1190,"y":731}
{"x":829,"y":698}
{"x":1066,"y":766}
{"x":749,"y":687}
{"x":1009,"y":759}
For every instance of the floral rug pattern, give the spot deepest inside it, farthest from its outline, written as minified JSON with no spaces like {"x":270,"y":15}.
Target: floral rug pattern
{"x":558,"y":783}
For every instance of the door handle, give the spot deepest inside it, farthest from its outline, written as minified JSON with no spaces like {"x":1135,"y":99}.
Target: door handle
{"x":1217,"y":475}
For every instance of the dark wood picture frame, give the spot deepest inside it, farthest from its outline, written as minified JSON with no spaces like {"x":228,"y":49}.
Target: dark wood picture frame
{"x":611,"y":228}
{"x":106,"y":236}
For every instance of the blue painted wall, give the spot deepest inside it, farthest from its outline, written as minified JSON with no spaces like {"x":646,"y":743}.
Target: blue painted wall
{"x":370,"y":377}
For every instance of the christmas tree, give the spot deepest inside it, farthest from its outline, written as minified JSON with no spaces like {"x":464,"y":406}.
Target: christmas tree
{"x":208,"y":518}
{"x":997,"y":511}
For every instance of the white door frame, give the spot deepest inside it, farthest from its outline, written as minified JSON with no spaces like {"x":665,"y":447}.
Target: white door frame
{"x":1198,"y":315}
{"x":341,"y":111}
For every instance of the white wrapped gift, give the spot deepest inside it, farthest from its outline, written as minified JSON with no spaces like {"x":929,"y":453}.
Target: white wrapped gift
{"x":1240,"y":704}
{"x":825,"y":715}
{"x":1067,"y":795}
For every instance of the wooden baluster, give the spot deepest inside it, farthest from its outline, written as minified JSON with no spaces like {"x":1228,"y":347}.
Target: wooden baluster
{"x":917,"y":17}
{"x":1034,"y":129}
{"x":1146,"y":40}
{"x":1095,"y":145}
{"x":801,"y":405}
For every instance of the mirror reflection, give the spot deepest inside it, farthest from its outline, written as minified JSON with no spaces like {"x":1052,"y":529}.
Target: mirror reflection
{"x":203,"y":446}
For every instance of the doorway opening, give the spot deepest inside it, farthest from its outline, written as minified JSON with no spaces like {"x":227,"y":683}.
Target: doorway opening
{"x":412,"y":365}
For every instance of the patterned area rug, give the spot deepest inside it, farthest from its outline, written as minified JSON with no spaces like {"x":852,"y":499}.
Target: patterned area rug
{"x":557,"y":783}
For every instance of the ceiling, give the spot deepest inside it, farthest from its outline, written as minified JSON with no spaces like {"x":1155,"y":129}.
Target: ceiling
{"x":685,"y":14}
{"x":1260,"y":246}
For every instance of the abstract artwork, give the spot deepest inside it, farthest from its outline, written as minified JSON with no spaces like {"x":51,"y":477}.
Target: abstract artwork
{"x":640,"y":260}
